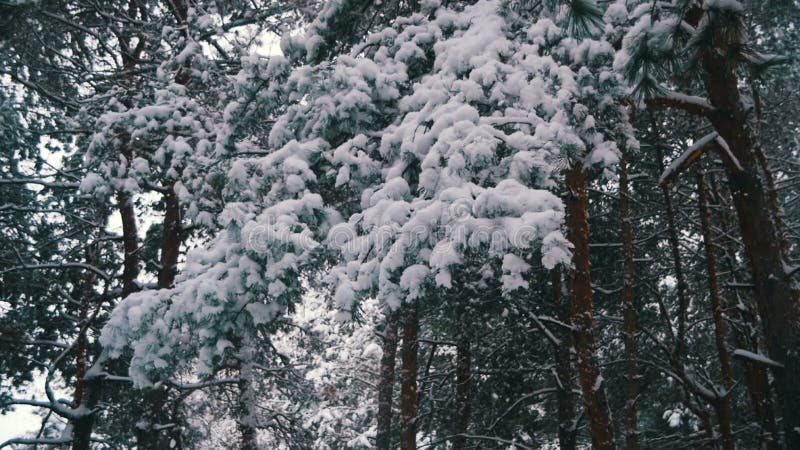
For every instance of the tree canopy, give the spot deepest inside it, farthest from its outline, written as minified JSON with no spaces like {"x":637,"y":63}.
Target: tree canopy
{"x":400,"y":224}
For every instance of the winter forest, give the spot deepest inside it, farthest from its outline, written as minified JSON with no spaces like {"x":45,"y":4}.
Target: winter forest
{"x":413,"y":224}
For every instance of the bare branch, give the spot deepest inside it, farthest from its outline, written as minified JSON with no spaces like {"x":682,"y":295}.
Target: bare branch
{"x":73,"y":265}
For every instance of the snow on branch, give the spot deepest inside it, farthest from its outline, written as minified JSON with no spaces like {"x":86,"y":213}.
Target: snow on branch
{"x":43,"y":441}
{"x":88,"y":267}
{"x":683,"y":162}
{"x":726,"y":155}
{"x":712,"y":141}
{"x":520,"y":400}
{"x":690,"y":103}
{"x":28,"y":402}
{"x":494,"y":439}
{"x":756,"y":358}
{"x":40,"y":182}
{"x":35,"y":342}
{"x":202,"y":384}
{"x":34,"y":442}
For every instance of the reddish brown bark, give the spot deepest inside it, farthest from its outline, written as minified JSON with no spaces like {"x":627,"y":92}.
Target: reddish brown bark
{"x":86,"y":391}
{"x":130,"y":236}
{"x":383,"y":440}
{"x":82,"y":427}
{"x":130,"y":242}
{"x":582,"y":310}
{"x":567,"y":426}
{"x":408,"y":390}
{"x":754,"y":375}
{"x":779,"y":297}
{"x":629,"y":325}
{"x":83,"y":315}
{"x":722,"y":405}
{"x":89,"y":390}
{"x":159,"y":407}
{"x":674,"y":244}
{"x":774,"y":198}
{"x":157,"y":399}
{"x":171,"y":226}
{"x":171,"y":240}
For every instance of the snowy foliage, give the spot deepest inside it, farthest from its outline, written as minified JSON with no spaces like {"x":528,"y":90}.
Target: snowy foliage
{"x":422,"y":147}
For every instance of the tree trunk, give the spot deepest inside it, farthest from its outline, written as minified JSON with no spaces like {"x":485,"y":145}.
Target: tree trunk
{"x":86,"y":391}
{"x":408,"y":391}
{"x":755,"y":375}
{"x":130,"y":241}
{"x":156,"y":399}
{"x":774,"y":198}
{"x":383,"y":440}
{"x":82,"y":427}
{"x":171,"y":240}
{"x":674,"y":244}
{"x":628,"y":294}
{"x":246,"y":420}
{"x":463,"y":382}
{"x":92,"y":387}
{"x":779,"y":297}
{"x":589,"y":376}
{"x":130,"y":235}
{"x":723,"y":405}
{"x":567,"y":423}
{"x":147,"y":433}
{"x":83,"y":315}
{"x":777,"y":300}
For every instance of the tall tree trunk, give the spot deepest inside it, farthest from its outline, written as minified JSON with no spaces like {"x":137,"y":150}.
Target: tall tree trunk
{"x":723,"y":405}
{"x":83,"y":315}
{"x":779,"y":297}
{"x":156,"y":398}
{"x":425,"y":377}
{"x":383,"y":440}
{"x":82,"y":430}
{"x":171,"y":240}
{"x":130,"y":240}
{"x":147,"y":433}
{"x":463,"y":398}
{"x":158,"y":403}
{"x":86,"y":391}
{"x":130,"y":234}
{"x":246,"y":420}
{"x":408,"y":390}
{"x":628,"y":294}
{"x":92,"y":386}
{"x":755,"y":375}
{"x":567,"y":422}
{"x":774,"y":198}
{"x":589,"y":376}
{"x":678,"y":358}
{"x":82,"y":427}
{"x":674,"y":244}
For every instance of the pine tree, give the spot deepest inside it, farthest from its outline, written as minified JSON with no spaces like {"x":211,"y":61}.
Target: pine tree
{"x":713,"y":38}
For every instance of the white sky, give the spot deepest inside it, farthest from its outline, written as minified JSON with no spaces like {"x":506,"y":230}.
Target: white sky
{"x":19,"y":423}
{"x":23,"y":421}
